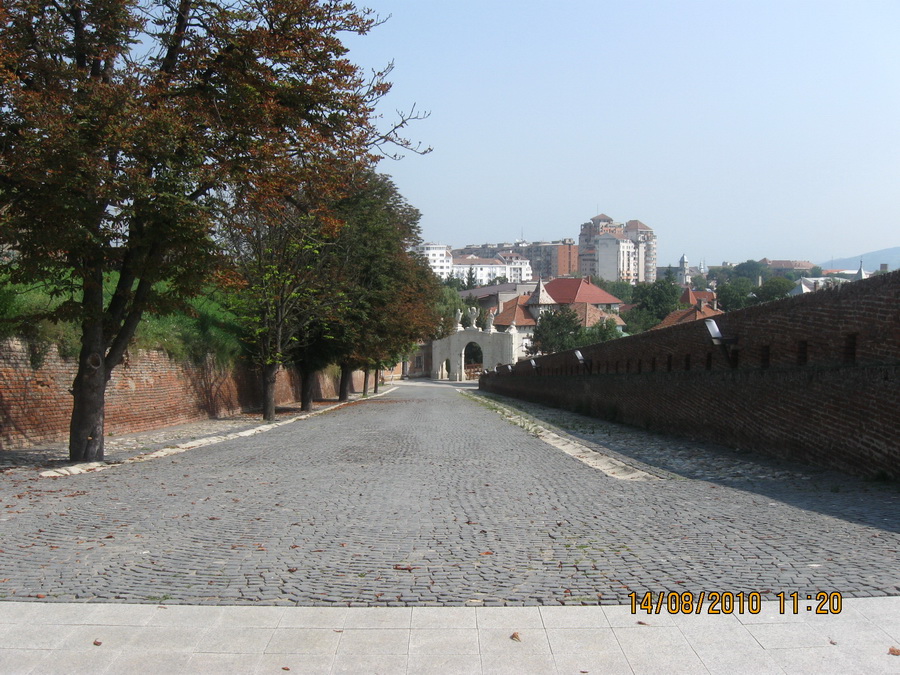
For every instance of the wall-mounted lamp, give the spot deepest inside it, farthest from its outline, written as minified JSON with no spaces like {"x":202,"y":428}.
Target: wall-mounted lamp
{"x":583,"y":362}
{"x":716,"y":335}
{"x":720,"y":340}
{"x":509,"y":367}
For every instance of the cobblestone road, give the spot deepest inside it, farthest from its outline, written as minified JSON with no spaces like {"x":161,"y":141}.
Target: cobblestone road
{"x":429,"y":497}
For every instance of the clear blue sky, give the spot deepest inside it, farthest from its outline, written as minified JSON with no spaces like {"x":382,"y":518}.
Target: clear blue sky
{"x":735,"y":129}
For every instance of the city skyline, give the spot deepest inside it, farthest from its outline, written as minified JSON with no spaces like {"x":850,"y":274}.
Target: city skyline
{"x":734,"y":131}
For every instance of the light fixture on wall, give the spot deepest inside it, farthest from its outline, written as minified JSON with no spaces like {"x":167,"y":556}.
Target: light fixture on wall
{"x":719,"y":340}
{"x":583,"y":362}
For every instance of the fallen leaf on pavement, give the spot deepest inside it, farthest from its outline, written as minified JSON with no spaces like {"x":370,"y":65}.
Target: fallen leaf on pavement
{"x":515,"y":636}
{"x":97,"y":643}
{"x":893,"y":651}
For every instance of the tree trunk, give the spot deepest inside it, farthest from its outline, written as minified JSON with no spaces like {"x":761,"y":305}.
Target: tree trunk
{"x":346,"y":379}
{"x":89,"y":387}
{"x":366,"y":381}
{"x":307,"y":385}
{"x":269,"y":377}
{"x":88,"y":394}
{"x":377,"y":378}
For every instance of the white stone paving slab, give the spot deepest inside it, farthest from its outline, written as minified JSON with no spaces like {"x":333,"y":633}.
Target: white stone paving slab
{"x":146,"y":639}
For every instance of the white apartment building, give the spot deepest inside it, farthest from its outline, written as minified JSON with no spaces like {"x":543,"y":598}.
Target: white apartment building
{"x":617,"y":252}
{"x":510,"y":265}
{"x":439,"y":258}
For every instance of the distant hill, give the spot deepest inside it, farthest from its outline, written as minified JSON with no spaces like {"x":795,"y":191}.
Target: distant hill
{"x":871,"y":261}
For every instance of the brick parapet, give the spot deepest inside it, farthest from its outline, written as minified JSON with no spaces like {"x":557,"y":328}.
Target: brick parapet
{"x":815,"y":379}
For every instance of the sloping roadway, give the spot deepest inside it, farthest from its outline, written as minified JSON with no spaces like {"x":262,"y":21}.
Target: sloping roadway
{"x":425,"y":496}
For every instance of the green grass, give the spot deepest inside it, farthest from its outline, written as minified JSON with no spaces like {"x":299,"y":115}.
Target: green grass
{"x":204,"y":328}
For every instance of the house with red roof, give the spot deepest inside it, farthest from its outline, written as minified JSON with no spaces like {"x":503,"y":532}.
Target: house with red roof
{"x":591,"y":303}
{"x":701,"y":310}
{"x":690,"y":297}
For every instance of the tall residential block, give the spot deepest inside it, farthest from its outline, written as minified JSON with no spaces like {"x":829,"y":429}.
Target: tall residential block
{"x":616,"y":251}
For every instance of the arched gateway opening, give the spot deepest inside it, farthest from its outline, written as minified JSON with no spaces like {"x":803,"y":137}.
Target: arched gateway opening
{"x":473,"y":360}
{"x":463,"y":354}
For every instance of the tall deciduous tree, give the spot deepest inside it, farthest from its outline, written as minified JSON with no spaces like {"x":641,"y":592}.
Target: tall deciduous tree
{"x":390,"y":295}
{"x":278,"y":263}
{"x":121,"y":120}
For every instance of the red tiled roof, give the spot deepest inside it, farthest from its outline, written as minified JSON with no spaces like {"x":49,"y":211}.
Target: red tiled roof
{"x":589,"y":315}
{"x":566,"y":291}
{"x":515,"y":308}
{"x":690,"y":297}
{"x":686,"y":316}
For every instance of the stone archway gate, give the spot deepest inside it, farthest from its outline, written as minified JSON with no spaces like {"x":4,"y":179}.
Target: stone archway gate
{"x":496,"y":347}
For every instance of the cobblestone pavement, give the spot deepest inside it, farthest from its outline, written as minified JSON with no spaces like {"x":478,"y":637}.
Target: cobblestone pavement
{"x":127,"y":446}
{"x":429,"y":497}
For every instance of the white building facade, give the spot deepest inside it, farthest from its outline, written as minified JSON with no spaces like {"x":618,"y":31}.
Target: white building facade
{"x":515,"y":269}
{"x":617,"y":252}
{"x":439,"y":258}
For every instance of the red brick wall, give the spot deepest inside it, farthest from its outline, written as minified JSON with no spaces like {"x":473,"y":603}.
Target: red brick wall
{"x":148,"y":391}
{"x":839,"y":406}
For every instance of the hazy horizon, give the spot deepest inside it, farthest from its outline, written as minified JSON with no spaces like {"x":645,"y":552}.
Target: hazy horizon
{"x":735,"y":130}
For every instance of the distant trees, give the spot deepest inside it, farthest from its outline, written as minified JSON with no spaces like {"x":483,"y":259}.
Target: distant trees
{"x":753,"y":270}
{"x":774,"y":288}
{"x":391,"y":296}
{"x":322,"y":283}
{"x":654,"y":303}
{"x":559,"y":330}
{"x":741,"y":292}
{"x":623,"y":290}
{"x":276,"y":271}
{"x":471,"y":279}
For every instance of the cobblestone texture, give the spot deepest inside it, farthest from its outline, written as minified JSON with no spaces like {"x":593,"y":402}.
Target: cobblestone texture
{"x":428,"y":497}
{"x":127,"y":446}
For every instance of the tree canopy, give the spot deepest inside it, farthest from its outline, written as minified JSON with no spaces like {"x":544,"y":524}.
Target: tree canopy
{"x":125,"y":128}
{"x":561,"y":329}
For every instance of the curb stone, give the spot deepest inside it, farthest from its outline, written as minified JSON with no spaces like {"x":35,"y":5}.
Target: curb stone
{"x":88,"y":467}
{"x":597,"y":460}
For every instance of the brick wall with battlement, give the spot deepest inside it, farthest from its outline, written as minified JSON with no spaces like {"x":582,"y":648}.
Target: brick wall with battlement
{"x":814,"y":378}
{"x":148,"y":391}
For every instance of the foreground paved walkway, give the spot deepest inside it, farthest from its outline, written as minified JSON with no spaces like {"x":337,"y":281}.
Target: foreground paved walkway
{"x":114,"y":638}
{"x":426,"y":503}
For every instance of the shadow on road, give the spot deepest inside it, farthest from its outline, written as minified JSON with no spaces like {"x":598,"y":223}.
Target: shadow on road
{"x":872,"y":503}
